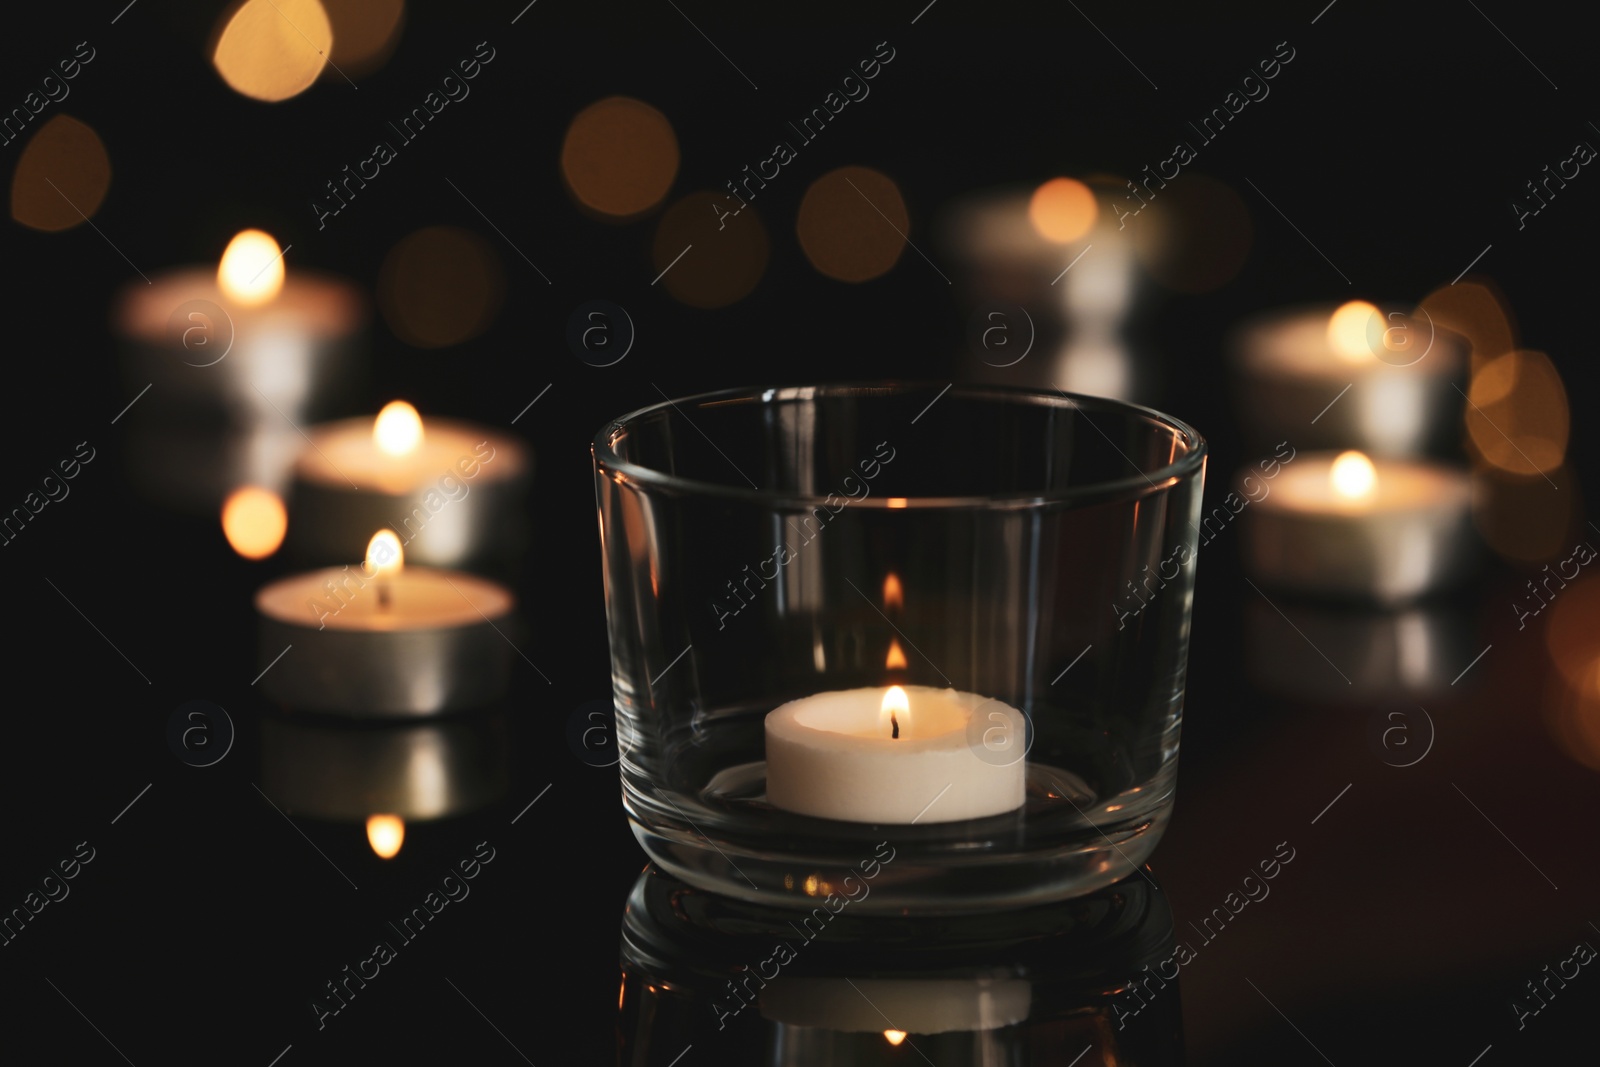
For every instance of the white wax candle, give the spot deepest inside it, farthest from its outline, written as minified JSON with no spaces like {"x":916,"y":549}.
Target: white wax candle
{"x":913,"y":1006}
{"x":861,"y":755}
{"x":417,"y":598}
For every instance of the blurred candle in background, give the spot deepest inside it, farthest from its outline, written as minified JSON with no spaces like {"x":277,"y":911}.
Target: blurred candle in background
{"x":223,"y":363}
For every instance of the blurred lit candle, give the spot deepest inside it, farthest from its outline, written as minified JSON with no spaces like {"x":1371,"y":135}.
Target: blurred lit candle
{"x":1347,"y":526}
{"x":234,"y":355}
{"x":384,"y":639}
{"x":1352,"y":375}
{"x":451,"y":491}
{"x":897,"y":755}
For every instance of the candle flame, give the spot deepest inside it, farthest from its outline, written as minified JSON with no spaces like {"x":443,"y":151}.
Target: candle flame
{"x":251,"y":272}
{"x":897,"y":502}
{"x":384,"y":554}
{"x":1353,"y":476}
{"x":386,"y":833}
{"x":894,"y":594}
{"x":896,"y":713}
{"x":1348,"y":330}
{"x":254,"y":521}
{"x":1062,"y":210}
{"x":896,"y":660}
{"x":894,"y":1037}
{"x":398,"y":429}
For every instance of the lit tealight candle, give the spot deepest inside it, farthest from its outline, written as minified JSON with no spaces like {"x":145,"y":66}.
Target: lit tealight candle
{"x":386,"y":833}
{"x":451,"y":491}
{"x":384,"y":638}
{"x":898,"y":755}
{"x":1322,"y":377}
{"x":1349,"y":526}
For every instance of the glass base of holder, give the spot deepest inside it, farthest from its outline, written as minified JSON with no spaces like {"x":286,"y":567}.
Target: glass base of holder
{"x":1063,"y":842}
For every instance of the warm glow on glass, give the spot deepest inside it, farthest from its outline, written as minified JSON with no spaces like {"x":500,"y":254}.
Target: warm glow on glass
{"x":894,"y":1037}
{"x":273,"y":49}
{"x":896,"y":713}
{"x":386,"y":833}
{"x":1349,"y":330}
{"x":1062,"y":210}
{"x":1353,"y":476}
{"x":251,"y":272}
{"x":896,"y":660}
{"x":398,"y":429}
{"x":894,"y":595}
{"x":254,"y":521}
{"x":384,"y":554}
{"x":897,"y":502}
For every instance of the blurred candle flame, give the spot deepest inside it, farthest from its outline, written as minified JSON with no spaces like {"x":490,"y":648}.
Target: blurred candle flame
{"x":1349,"y":330}
{"x":896,"y":660}
{"x":894,"y":595}
{"x":397,"y":430}
{"x":1353,"y":476}
{"x":384,"y":554}
{"x":894,"y":1037}
{"x":251,"y":272}
{"x":386,"y":833}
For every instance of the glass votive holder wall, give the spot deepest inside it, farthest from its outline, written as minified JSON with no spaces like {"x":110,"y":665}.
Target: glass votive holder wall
{"x":940,"y":632}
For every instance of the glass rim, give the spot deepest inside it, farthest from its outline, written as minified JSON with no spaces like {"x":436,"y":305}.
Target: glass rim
{"x":1134,"y":486}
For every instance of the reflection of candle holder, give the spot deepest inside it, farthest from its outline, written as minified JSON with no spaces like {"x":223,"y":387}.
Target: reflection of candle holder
{"x":1385,"y":655}
{"x":972,"y":549}
{"x":347,"y":773}
{"x":1018,"y":987}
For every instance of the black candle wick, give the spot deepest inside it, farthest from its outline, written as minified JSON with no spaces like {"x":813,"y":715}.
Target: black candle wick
{"x":894,"y":727}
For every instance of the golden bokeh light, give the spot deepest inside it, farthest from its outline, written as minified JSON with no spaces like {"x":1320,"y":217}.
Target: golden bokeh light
{"x":1517,"y":417}
{"x":896,"y":659}
{"x":1063,"y":210}
{"x":1476,"y":312}
{"x":1572,"y":712}
{"x":1194,"y":236}
{"x":61,"y":178}
{"x":254,"y":521}
{"x":894,"y":593}
{"x":1525,"y":519}
{"x":1351,"y":329}
{"x":853,"y":224}
{"x":619,"y":157}
{"x":1353,"y":476}
{"x":365,"y":33}
{"x":1567,"y":594}
{"x":251,"y":272}
{"x":894,"y":1037}
{"x":386,"y":833}
{"x":440,"y":286}
{"x":397,"y":431}
{"x":706,"y":255}
{"x":272,"y":50}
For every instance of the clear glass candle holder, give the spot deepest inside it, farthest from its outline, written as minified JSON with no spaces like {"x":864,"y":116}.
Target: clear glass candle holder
{"x":940,"y":631}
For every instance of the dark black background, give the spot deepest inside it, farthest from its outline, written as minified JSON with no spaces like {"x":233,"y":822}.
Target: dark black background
{"x":1396,"y":141}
